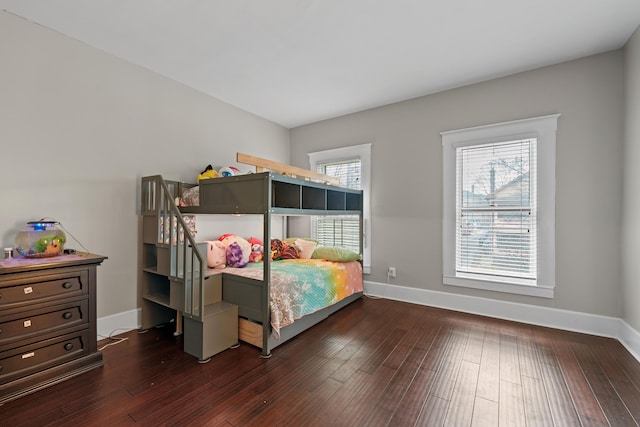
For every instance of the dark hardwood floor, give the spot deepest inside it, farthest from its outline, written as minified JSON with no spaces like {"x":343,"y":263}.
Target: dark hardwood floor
{"x":374,"y":363}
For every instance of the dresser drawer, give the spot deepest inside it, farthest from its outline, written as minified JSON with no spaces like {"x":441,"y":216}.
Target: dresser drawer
{"x":23,"y":292}
{"x":32,"y":358}
{"x":38,"y":321}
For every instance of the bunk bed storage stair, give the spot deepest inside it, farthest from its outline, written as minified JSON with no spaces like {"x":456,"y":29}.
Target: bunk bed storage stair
{"x":173,"y":284}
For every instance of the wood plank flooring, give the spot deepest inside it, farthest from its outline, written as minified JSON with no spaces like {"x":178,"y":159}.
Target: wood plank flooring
{"x":375,"y":363}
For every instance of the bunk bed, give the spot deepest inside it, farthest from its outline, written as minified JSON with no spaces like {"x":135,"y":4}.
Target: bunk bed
{"x":266,"y":194}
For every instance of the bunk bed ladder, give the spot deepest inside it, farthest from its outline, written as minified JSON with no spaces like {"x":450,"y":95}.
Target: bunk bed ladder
{"x":187,"y":262}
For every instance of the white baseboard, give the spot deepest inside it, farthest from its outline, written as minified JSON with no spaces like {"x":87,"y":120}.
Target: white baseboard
{"x":118,"y":323}
{"x":630,"y":338}
{"x":542,"y":316}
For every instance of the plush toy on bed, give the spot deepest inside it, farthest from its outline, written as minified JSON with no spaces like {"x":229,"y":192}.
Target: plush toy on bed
{"x":276,"y":247}
{"x":257,"y":249}
{"x":290,"y":252}
{"x":207,"y":173}
{"x":216,"y":254}
{"x":229,"y":171}
{"x":282,"y":250}
{"x":238,"y":250}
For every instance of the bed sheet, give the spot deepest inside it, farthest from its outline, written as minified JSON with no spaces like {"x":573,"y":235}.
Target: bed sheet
{"x":304,"y":286}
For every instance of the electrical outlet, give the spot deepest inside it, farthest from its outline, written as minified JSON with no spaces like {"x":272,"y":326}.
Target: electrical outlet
{"x":391,"y":272}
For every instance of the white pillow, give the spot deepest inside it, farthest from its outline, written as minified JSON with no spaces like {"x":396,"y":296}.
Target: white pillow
{"x":306,"y":248}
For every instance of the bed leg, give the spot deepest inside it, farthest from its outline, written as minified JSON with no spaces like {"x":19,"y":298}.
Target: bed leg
{"x":178,"y":324}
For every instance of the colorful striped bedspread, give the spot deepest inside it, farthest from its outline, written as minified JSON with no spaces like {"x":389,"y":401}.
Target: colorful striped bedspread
{"x":304,"y":286}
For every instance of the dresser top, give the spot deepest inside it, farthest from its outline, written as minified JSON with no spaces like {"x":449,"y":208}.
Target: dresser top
{"x":16,"y":265}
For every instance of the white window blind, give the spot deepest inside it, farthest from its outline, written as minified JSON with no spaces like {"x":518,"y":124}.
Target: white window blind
{"x":496,"y":209}
{"x":498,"y":215}
{"x":342,"y":231}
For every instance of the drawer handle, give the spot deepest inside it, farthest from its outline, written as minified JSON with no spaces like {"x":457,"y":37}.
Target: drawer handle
{"x":67,"y":315}
{"x":67,"y":285}
{"x":0,"y":368}
{"x":68,"y":346}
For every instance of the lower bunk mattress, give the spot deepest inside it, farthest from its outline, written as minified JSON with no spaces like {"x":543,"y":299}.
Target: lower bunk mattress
{"x":299,"y":287}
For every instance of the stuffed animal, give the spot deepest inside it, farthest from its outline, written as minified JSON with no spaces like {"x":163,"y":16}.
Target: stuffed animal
{"x":237,"y":250}
{"x":257,"y":249}
{"x":229,"y":171}
{"x":235,"y":256}
{"x":290,"y":252}
{"x":276,"y":247}
{"x":216,"y":254}
{"x":207,"y":173}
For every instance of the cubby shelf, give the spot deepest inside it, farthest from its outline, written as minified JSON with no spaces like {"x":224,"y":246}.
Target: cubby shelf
{"x":257,"y":193}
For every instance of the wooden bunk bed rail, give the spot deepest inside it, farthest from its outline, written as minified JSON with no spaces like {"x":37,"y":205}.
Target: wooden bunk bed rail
{"x":293,"y":171}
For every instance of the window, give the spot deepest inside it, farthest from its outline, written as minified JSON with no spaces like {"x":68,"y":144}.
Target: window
{"x":499,"y":207}
{"x":352,"y":166}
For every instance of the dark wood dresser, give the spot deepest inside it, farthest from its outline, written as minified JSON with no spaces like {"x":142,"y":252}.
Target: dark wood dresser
{"x":47,"y":321}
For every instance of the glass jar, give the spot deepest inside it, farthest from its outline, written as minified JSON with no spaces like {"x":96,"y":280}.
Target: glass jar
{"x":40,"y":239}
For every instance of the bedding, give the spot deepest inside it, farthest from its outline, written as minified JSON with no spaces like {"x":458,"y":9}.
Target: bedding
{"x":303,"y":286}
{"x":190,"y":197}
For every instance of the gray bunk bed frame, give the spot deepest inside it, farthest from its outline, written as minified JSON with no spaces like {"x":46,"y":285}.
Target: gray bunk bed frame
{"x":269,"y":194}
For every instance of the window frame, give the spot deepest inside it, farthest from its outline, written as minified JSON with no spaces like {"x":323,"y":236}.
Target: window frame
{"x":542,"y":128}
{"x":362,"y":152}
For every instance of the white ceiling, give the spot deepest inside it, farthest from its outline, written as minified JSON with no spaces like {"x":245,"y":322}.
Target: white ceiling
{"x":300,"y":61}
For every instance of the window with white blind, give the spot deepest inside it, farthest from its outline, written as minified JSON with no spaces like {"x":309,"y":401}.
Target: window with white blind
{"x":499,"y":207}
{"x":352,"y":166}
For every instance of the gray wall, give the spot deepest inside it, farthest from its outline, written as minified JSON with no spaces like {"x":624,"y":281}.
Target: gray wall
{"x":78,"y":128}
{"x":631,"y":206}
{"x":407,"y":174}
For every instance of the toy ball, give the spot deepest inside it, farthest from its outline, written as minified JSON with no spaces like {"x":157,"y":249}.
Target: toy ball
{"x":228,"y":171}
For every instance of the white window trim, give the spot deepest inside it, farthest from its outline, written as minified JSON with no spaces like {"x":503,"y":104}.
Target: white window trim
{"x":544,"y":129}
{"x":363,"y":152}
